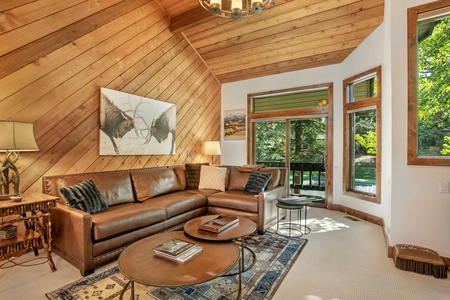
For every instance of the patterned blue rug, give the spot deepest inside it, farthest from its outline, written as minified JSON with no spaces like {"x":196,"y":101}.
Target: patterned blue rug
{"x":274,"y":257}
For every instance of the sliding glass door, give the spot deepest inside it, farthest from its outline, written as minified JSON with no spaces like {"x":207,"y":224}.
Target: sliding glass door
{"x":304,"y":155}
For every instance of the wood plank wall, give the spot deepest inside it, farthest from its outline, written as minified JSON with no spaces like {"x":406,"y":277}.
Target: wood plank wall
{"x":55,"y":55}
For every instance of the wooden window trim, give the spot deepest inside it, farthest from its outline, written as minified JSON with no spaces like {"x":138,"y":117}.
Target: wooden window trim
{"x":374,"y":102}
{"x":413,"y":157}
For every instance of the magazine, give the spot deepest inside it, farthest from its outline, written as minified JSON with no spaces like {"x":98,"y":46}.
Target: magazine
{"x":174,"y":247}
{"x":184,"y":256}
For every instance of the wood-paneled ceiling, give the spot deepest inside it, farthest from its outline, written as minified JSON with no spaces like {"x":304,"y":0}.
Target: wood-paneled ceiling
{"x":290,"y":35}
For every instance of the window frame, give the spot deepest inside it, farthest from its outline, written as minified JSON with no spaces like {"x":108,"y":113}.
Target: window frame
{"x":349,"y":109}
{"x":413,"y":157}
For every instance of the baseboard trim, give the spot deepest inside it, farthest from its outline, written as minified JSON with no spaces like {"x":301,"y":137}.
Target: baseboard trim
{"x":358,"y":214}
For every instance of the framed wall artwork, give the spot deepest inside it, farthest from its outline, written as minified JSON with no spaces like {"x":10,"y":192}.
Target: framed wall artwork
{"x":134,"y":125}
{"x":234,"y":125}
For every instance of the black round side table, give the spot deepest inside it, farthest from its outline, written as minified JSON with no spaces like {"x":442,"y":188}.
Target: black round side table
{"x":294,"y":229}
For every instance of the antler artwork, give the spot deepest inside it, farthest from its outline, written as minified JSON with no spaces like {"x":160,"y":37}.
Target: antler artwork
{"x":160,"y":127}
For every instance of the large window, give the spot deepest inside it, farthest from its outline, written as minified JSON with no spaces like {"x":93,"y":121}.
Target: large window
{"x":362,"y":135}
{"x":291,"y":128}
{"x":429,"y":84}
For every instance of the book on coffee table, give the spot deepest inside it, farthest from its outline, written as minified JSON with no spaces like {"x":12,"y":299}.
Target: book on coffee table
{"x":219,"y":223}
{"x":182,"y":257}
{"x":173,"y":247}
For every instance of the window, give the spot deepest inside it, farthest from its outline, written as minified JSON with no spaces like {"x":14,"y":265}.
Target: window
{"x":291,"y":128}
{"x":362,"y":135}
{"x":429,"y":84}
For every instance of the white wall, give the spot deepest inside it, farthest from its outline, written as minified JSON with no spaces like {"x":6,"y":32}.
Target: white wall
{"x":413,"y":209}
{"x":420,"y":214}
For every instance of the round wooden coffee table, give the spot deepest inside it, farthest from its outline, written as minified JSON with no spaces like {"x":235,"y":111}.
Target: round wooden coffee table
{"x":237,"y":231}
{"x":141,"y":265}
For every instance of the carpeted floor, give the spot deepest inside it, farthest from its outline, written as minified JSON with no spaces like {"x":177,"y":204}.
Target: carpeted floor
{"x":274,"y":257}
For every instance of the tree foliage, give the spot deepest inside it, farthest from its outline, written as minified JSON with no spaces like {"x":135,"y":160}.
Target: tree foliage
{"x":434,"y":90}
{"x":307,"y":141}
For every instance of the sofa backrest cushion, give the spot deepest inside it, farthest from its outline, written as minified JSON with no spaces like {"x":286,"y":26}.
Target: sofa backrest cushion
{"x":181,"y":174}
{"x":193,"y":174}
{"x":115,"y":186}
{"x":84,"y":196}
{"x":237,"y":179}
{"x":274,"y":180}
{"x":149,"y":183}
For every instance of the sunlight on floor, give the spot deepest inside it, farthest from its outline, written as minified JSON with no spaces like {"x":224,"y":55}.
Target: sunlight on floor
{"x":324,"y":225}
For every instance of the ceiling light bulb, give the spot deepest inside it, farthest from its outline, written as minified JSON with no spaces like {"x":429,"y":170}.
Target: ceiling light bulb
{"x":236,"y":9}
{"x":257,"y":6}
{"x":215,"y":7}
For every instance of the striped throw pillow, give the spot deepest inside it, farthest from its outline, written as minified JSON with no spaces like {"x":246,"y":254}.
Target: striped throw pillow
{"x":84,"y":196}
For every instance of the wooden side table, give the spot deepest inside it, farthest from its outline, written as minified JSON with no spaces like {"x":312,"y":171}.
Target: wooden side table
{"x":37,"y":229}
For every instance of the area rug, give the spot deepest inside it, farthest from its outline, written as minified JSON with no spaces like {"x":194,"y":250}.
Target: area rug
{"x":274,"y":257}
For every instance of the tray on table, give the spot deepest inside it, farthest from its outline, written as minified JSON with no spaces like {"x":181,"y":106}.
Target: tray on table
{"x":219,"y":223}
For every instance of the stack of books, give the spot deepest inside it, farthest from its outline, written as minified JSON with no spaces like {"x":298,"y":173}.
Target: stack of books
{"x":177,"y":250}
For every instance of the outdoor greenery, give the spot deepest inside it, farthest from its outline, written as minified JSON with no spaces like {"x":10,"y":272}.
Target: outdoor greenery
{"x":307,"y":141}
{"x":434,"y":91}
{"x":270,"y":141}
{"x":365,"y":124}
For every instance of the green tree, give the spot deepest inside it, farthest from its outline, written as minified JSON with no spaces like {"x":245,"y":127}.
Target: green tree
{"x":368,"y":141}
{"x":307,"y":141}
{"x":434,"y":90}
{"x":270,"y":141}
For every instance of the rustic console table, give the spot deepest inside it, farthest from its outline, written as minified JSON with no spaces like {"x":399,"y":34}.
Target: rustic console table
{"x":37,"y":229}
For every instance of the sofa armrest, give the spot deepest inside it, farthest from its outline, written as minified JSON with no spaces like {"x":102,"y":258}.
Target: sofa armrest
{"x":267,"y":201}
{"x":72,"y":236}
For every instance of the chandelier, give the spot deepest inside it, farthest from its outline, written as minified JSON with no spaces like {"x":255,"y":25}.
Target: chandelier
{"x":235,"y":8}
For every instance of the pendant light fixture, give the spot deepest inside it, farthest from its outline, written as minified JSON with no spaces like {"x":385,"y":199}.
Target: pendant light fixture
{"x":235,"y":9}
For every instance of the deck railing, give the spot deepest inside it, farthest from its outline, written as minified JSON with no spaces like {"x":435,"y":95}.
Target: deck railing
{"x":306,"y":176}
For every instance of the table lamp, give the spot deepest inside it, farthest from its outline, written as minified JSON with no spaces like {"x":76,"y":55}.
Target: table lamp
{"x":14,"y":138}
{"x":211,"y":148}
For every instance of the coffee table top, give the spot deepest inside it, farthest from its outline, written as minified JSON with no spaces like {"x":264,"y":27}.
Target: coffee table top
{"x":140,"y":264}
{"x":242,"y":228}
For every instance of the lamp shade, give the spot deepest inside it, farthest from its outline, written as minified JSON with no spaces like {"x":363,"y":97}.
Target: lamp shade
{"x":17,"y":136}
{"x":211,"y":148}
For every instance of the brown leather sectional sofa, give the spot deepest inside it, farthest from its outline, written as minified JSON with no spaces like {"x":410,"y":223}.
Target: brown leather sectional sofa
{"x":143,"y":202}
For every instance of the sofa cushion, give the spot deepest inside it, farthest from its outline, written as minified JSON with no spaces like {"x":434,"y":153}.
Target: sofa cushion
{"x":150,"y":183}
{"x":84,"y":196}
{"x":124,"y":218}
{"x":249,"y":168}
{"x":115,"y":186}
{"x":180,"y":171}
{"x":212,"y":178}
{"x":274,"y":179}
{"x":238,"y":200}
{"x":237,"y":179}
{"x":257,"y":182}
{"x":177,"y":203}
{"x":193,"y":174}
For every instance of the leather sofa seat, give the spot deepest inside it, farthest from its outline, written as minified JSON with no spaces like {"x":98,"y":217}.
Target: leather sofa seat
{"x":177,"y":203}
{"x":124,"y":218}
{"x":235,"y":200}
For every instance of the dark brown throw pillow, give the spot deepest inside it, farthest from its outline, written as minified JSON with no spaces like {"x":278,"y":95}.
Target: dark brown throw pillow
{"x":257,"y":182}
{"x":84,"y":196}
{"x":193,"y":174}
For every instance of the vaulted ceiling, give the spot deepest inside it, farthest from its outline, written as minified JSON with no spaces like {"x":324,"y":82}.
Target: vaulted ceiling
{"x":290,"y":35}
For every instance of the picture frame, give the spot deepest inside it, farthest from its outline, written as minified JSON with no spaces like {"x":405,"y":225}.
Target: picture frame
{"x":135,"y":125}
{"x":234,"y":124}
